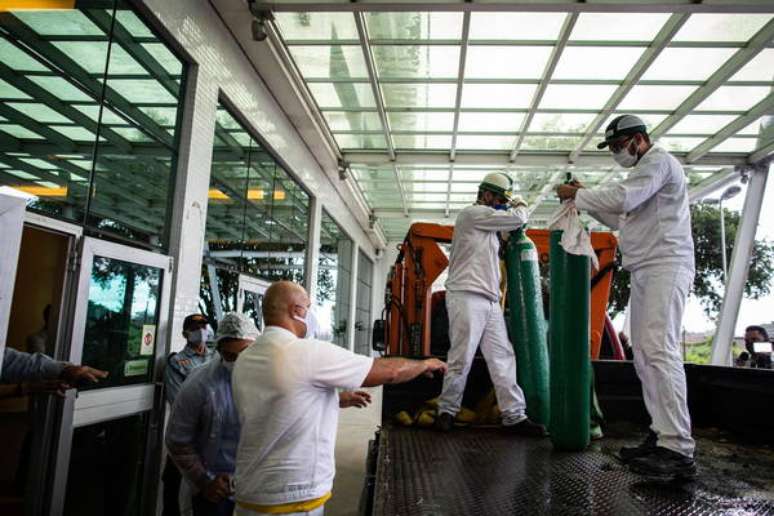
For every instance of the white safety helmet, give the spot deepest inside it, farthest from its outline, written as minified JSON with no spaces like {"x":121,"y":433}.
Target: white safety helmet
{"x":235,"y":325}
{"x":497,"y":182}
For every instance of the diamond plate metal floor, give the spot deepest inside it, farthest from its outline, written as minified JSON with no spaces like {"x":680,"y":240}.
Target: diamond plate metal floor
{"x":484,"y":472}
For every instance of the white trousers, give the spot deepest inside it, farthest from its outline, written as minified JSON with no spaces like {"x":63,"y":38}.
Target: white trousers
{"x":476,"y":321}
{"x":658,"y":296}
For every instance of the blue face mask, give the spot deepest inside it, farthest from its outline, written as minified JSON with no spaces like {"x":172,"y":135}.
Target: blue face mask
{"x":501,"y":207}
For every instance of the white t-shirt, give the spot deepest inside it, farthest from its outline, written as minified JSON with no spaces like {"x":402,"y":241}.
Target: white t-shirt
{"x":285,"y":393}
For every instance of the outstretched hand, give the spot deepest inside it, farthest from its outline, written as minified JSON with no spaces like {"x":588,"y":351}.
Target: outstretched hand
{"x":359,"y":399}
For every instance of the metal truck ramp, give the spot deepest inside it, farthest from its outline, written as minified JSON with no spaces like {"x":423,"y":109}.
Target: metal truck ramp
{"x":485,"y":472}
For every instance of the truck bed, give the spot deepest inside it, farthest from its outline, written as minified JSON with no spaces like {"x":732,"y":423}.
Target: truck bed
{"x":481,"y":471}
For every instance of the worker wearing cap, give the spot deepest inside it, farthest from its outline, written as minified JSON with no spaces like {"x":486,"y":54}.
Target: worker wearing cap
{"x":203,"y":431}
{"x":196,"y":332}
{"x":650,"y":208}
{"x":472,"y":301}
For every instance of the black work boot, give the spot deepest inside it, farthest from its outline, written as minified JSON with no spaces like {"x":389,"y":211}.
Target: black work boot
{"x":628,"y":453}
{"x":664,"y":464}
{"x":526,"y":428}
{"x":444,"y":422}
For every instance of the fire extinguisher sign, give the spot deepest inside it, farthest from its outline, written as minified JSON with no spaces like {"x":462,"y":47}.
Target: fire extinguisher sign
{"x":148,"y":339}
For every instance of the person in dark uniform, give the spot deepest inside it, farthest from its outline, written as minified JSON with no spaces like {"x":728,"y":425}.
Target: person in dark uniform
{"x":197,"y":332}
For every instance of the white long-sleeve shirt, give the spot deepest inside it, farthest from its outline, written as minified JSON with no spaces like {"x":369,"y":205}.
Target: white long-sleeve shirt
{"x":474,"y":265}
{"x":654,"y":198}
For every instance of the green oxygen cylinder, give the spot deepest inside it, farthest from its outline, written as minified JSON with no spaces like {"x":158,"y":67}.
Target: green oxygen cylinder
{"x":528,"y":324}
{"x":569,"y":332}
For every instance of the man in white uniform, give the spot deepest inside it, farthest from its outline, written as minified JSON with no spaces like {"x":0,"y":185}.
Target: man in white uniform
{"x":473,"y":303}
{"x":657,"y":248}
{"x":285,"y":389}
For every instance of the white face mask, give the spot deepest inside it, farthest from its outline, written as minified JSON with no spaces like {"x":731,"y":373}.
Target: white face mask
{"x":310,"y":321}
{"x":625,"y":158}
{"x":228,"y":365}
{"x":202,"y":335}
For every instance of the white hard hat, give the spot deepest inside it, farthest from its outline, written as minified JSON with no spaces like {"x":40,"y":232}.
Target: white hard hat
{"x":235,"y":325}
{"x":497,"y":182}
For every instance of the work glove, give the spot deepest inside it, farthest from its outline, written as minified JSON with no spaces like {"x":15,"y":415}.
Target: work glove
{"x":517,"y":200}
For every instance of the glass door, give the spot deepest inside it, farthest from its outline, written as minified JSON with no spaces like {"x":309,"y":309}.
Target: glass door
{"x":109,"y":445}
{"x":250,"y":298}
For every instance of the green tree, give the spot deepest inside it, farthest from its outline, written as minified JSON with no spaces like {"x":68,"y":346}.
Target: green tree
{"x":708,"y":283}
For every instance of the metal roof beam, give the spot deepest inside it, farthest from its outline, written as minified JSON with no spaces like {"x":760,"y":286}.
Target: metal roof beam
{"x":712,"y":184}
{"x":460,"y":83}
{"x":368,"y":55}
{"x":740,"y":58}
{"x":762,"y":152}
{"x":48,"y":54}
{"x":526,"y":158}
{"x":579,"y":6}
{"x":764,"y":107}
{"x":662,"y":39}
{"x":548,"y":72}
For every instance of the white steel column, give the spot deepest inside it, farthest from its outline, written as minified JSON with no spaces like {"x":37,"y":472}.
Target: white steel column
{"x":313,"y":248}
{"x":189,"y":211}
{"x":740,"y":265}
{"x":352,"y":299}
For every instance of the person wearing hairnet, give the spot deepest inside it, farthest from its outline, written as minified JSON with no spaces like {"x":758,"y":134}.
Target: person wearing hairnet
{"x":650,"y":209}
{"x":473,"y":302}
{"x":203,"y":431}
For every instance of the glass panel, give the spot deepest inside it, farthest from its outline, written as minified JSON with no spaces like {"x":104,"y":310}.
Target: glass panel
{"x":655,"y":97}
{"x":361,"y":141}
{"x":596,"y":62}
{"x":734,"y":98}
{"x":470,"y":175}
{"x":736,"y":145}
{"x":561,"y":122}
{"x":483,"y":142}
{"x":419,"y":95}
{"x":760,"y":68}
{"x":69,"y":22}
{"x":417,"y":62}
{"x":502,"y":96}
{"x":721,"y":27}
{"x":439,"y":187}
{"x":678,"y":144}
{"x":550,"y":142}
{"x":495,"y":62}
{"x":319,"y":26}
{"x":471,"y":121}
{"x":754,"y":128}
{"x":139,"y":212}
{"x":252,"y":305}
{"x":352,"y":121}
{"x":674,"y":64}
{"x":422,"y":141}
{"x":64,"y":90}
{"x":701,"y":124}
{"x":410,"y":25}
{"x":19,"y":59}
{"x":347,"y":95}
{"x":334,"y":276}
{"x":107,"y":462}
{"x":414,"y":174}
{"x":123,"y":309}
{"x":39,"y":112}
{"x":421,"y":121}
{"x":257,"y":216}
{"x":515,"y":26}
{"x":618,"y":26}
{"x":572,"y":96}
{"x":363,"y":318}
{"x":336,"y":62}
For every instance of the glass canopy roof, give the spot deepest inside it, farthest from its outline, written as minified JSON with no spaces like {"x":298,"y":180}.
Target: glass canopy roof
{"x":423,"y":104}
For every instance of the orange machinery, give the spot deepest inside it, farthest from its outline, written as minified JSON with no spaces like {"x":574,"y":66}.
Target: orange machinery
{"x":421,"y":260}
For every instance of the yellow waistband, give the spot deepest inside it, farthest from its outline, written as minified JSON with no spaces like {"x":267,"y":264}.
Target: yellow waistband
{"x":288,"y":508}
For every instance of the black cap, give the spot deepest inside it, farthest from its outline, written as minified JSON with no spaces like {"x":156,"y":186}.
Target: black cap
{"x":191,"y":320}
{"x":623,"y":125}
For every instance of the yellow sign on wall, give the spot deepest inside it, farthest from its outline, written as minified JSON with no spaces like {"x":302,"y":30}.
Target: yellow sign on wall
{"x":18,"y":5}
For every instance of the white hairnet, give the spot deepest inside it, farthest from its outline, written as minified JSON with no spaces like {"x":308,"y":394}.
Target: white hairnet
{"x":235,"y":325}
